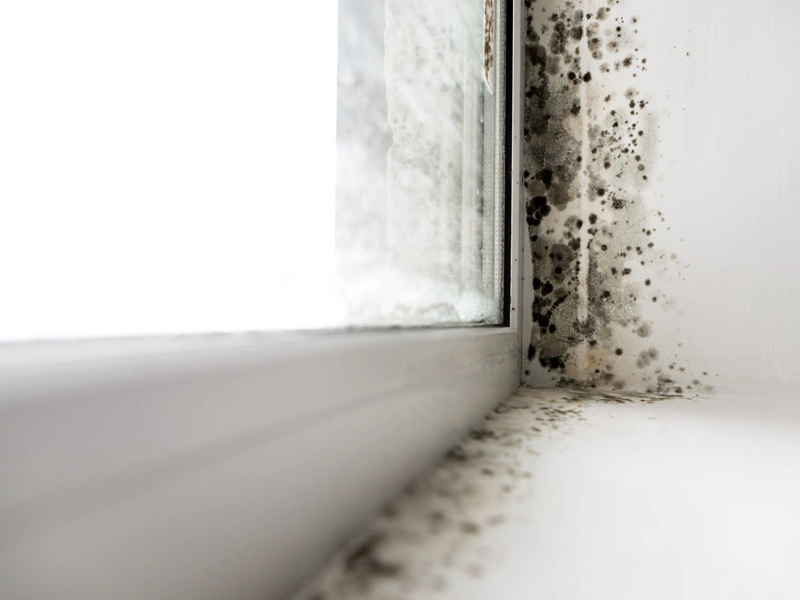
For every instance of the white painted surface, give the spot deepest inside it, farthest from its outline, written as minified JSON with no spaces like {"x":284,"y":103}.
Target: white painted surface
{"x":730,"y":146}
{"x":221,"y":470}
{"x":674,"y":499}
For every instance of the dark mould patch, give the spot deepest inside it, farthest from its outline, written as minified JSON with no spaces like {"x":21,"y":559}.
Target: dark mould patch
{"x":551,"y":99}
{"x":470,"y":528}
{"x":646,"y":357}
{"x":488,"y":48}
{"x":589,"y":281}
{"x":364,"y":561}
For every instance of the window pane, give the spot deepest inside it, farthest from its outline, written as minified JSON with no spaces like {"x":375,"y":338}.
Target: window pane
{"x":176,"y":167}
{"x":416,"y":163}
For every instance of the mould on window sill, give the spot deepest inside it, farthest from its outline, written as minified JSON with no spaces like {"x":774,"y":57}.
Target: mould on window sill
{"x":449,"y":524}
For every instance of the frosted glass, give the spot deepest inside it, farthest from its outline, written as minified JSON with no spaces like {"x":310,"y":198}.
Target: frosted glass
{"x":428,"y":182}
{"x":175,"y":167}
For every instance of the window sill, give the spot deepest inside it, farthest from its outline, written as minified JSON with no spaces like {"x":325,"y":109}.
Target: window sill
{"x":179,"y":467}
{"x":567,"y":495}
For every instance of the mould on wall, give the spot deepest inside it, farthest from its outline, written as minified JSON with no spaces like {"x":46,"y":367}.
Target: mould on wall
{"x":590,"y":150}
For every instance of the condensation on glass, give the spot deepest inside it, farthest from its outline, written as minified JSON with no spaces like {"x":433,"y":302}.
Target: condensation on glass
{"x":419,"y":188}
{"x":177,"y":167}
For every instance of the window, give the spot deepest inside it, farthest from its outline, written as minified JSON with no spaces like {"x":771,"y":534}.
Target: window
{"x":139,"y":142}
{"x":179,"y":167}
{"x":420,"y":219}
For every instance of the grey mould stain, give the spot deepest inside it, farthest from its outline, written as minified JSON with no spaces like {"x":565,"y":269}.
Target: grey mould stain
{"x":488,"y":43}
{"x":450,"y":524}
{"x":590,"y":138}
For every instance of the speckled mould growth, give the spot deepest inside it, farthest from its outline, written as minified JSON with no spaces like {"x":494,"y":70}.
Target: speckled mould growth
{"x":589,"y":149}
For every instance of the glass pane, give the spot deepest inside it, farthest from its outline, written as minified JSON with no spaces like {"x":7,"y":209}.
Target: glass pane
{"x":175,"y":167}
{"x":416,"y":141}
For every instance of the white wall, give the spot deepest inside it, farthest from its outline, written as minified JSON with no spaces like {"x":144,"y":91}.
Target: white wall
{"x":730,"y":140}
{"x":722,"y":85}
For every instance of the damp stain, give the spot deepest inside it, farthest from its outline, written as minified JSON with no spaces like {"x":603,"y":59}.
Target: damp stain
{"x":590,"y":148}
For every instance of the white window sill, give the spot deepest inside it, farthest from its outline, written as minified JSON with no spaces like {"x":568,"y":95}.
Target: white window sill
{"x":170,"y":468}
{"x":590,"y":498}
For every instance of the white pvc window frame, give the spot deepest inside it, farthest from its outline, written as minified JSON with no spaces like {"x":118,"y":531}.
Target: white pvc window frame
{"x":230,"y":466}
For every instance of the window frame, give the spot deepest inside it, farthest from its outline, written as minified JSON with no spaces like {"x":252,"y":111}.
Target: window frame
{"x":233,"y":465}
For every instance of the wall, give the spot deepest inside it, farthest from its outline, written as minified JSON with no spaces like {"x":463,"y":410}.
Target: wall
{"x":680,"y":142}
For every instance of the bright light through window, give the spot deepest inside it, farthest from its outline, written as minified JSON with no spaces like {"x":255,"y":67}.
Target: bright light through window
{"x":180,"y":167}
{"x":168,"y":166}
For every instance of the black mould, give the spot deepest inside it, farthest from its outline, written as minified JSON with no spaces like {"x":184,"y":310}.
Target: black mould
{"x":364,"y":560}
{"x":586,"y":306}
